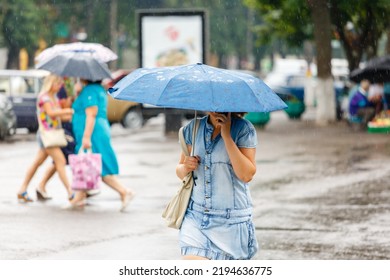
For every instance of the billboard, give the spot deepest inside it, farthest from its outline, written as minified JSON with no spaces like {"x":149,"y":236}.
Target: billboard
{"x":168,"y":38}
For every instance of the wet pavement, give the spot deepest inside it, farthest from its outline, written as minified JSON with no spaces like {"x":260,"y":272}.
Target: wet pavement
{"x":319,"y":193}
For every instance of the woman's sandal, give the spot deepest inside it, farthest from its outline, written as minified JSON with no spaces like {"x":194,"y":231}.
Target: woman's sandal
{"x":42,"y":196}
{"x":128,"y":197}
{"x":70,"y":198}
{"x":23,"y":197}
{"x":76,"y":205}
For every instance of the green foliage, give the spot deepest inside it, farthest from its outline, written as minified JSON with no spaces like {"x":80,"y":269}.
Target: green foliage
{"x":24,"y":22}
{"x":20,"y":23}
{"x":228,"y":23}
{"x":290,"y":21}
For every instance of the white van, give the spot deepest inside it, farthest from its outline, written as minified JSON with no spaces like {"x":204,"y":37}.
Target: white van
{"x":22,"y":88}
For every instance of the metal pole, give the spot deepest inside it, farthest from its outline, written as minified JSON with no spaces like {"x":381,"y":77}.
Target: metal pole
{"x":194,"y":130}
{"x":113,"y":30}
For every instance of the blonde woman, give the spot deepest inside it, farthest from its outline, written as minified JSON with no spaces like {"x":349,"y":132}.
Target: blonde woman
{"x":49,"y":114}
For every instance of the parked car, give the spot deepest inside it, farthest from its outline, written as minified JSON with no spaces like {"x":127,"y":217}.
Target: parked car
{"x":22,"y":88}
{"x":129,"y":114}
{"x":7,"y":117}
{"x":289,"y":83}
{"x":294,"y":92}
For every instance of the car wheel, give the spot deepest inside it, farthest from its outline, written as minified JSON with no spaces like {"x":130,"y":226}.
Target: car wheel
{"x":133,"y":119}
{"x":32,"y":129}
{"x":12,"y":131}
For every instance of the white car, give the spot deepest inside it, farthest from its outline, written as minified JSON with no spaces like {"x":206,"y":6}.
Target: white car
{"x":22,"y":87}
{"x":7,"y":117}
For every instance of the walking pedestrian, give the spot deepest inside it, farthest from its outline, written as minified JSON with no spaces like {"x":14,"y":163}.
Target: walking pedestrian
{"x":92,"y":131}
{"x":50,"y":115}
{"x":65,"y":96}
{"x":218,"y":221}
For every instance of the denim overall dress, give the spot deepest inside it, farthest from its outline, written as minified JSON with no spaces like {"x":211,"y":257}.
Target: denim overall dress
{"x":218,"y":222}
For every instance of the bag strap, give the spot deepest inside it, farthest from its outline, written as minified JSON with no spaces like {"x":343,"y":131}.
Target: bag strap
{"x":84,"y":151}
{"x":181,"y":137}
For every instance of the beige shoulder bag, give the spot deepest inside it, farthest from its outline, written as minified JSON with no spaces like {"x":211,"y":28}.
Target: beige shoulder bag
{"x":52,"y":137}
{"x":175,"y":210}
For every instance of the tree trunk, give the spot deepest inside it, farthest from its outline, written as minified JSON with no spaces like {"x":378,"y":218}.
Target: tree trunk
{"x":326,"y":101}
{"x":113,"y":31}
{"x":388,"y":40}
{"x":357,"y":41}
{"x":13,"y":58}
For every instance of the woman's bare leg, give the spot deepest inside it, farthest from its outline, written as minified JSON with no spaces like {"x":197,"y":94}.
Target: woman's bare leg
{"x":46,"y":177}
{"x":114,"y":183}
{"x":79,"y":198}
{"x":39,"y":159}
{"x":126,"y":194}
{"x":60,"y":163}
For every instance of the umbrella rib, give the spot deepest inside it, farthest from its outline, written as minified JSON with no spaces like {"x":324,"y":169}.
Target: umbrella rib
{"x":166,"y":85}
{"x":246,"y":85}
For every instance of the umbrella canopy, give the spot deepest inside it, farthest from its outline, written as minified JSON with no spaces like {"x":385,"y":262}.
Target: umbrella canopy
{"x":76,"y":65}
{"x":198,"y":87}
{"x":96,"y":50}
{"x":377,"y":70}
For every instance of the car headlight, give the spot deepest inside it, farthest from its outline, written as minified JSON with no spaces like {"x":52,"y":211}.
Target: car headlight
{"x":5,"y":104}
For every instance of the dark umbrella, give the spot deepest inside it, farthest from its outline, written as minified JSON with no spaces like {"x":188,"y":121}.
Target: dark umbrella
{"x":76,"y":65}
{"x":377,"y":70}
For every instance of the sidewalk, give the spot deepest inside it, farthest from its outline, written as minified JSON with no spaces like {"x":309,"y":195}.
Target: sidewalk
{"x":319,"y":193}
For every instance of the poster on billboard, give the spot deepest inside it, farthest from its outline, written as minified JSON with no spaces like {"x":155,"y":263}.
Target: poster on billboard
{"x":171,"y":38}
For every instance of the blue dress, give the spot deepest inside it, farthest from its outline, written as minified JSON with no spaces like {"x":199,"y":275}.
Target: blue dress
{"x":95,"y":95}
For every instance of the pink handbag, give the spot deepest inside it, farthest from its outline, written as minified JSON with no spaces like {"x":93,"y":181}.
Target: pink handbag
{"x":86,"y":170}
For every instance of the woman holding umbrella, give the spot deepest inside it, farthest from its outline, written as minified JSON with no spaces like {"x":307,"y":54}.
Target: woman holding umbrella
{"x":218,"y":222}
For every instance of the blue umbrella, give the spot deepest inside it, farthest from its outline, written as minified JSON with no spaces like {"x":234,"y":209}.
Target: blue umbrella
{"x":197,"y":87}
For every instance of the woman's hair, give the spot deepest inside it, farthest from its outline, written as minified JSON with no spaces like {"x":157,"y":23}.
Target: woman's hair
{"x":49,"y":82}
{"x":239,"y":115}
{"x":93,"y":82}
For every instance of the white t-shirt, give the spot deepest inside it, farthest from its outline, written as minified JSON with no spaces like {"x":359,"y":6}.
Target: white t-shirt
{"x":375,"y":89}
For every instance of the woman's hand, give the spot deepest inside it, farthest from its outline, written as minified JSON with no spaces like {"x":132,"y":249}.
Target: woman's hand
{"x":91,"y":113}
{"x":224,"y":122}
{"x":86,"y":143}
{"x":191,"y":163}
{"x":66,"y":114}
{"x":66,"y":118}
{"x":68,"y":111}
